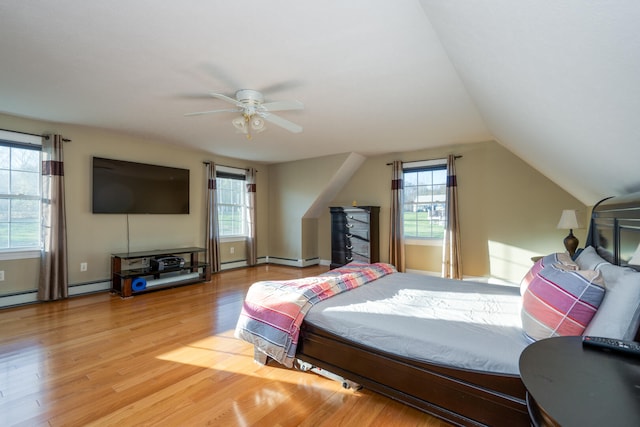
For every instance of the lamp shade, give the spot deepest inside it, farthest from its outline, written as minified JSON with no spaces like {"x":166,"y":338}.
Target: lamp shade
{"x":568,"y":220}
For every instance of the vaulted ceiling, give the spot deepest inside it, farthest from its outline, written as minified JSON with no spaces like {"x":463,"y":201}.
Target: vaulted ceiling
{"x":557,"y":83}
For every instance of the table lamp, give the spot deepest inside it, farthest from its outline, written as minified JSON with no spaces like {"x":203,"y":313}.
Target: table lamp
{"x":568,"y":220}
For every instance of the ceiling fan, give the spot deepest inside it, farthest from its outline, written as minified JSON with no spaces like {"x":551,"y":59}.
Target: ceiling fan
{"x":254,"y":111}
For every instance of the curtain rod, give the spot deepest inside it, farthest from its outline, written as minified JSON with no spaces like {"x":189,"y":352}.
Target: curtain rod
{"x":24,"y":133}
{"x":458,"y":156}
{"x":32,"y":134}
{"x":233,"y":167}
{"x":63,"y":139}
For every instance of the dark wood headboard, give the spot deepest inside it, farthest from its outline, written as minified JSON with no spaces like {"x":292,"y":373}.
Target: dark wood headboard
{"x":615,"y":230}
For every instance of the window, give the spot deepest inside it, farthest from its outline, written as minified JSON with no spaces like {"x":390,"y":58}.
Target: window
{"x":20,"y":187}
{"x":425,"y":199}
{"x":231,"y":192}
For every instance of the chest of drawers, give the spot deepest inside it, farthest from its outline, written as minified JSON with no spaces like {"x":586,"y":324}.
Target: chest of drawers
{"x":354,"y":235}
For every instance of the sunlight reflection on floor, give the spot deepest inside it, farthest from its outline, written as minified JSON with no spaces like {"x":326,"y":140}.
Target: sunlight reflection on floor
{"x":203,"y":353}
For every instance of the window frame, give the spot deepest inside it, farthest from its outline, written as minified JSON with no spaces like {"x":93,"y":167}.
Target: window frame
{"x":226,"y":172}
{"x":26,"y":142}
{"x":419,"y":166}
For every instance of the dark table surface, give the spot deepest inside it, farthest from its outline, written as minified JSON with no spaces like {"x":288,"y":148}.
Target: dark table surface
{"x":581,"y":386}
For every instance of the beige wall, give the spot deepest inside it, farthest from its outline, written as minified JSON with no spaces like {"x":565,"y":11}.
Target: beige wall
{"x":93,"y":237}
{"x":508,"y":210}
{"x":294,"y":187}
{"x":309,"y":238}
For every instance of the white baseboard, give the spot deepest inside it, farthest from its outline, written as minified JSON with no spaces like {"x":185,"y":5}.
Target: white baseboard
{"x":18,"y":299}
{"x":293,"y":262}
{"x":30,"y":297}
{"x":232,"y":265}
{"x":240,"y":264}
{"x":89,"y":288}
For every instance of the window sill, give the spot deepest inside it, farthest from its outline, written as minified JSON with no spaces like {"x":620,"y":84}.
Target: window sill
{"x":230,"y":239}
{"x":423,"y":242}
{"x":19,"y":254}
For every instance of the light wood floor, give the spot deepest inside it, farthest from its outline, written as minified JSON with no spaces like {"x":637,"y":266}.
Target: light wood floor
{"x":166,"y":358}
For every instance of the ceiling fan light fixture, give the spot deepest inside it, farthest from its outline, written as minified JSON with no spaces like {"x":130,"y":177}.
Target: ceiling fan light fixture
{"x":257,"y":124}
{"x":254,"y":112}
{"x":240,"y":123}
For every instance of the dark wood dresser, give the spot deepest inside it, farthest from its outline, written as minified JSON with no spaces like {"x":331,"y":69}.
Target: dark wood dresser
{"x":354,"y":234}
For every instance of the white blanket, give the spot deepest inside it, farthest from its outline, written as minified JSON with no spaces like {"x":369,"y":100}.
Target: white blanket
{"x":462,"y":324}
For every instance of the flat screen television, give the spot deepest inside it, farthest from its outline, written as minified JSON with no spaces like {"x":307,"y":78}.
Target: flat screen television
{"x":121,"y":187}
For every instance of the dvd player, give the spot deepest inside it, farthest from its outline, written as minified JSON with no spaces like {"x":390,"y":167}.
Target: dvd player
{"x":167,"y":262}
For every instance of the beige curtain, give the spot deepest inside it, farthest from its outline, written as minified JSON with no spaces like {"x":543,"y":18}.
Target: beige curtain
{"x":396,"y":236}
{"x":212,"y":239}
{"x":451,"y":254}
{"x":53,"y":283}
{"x":252,"y":258}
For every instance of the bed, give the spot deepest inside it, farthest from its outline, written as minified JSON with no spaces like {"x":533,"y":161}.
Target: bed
{"x":470,"y":378}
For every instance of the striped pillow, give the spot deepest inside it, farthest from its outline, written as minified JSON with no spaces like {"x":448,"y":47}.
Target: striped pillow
{"x":560,"y":301}
{"x":561,"y":258}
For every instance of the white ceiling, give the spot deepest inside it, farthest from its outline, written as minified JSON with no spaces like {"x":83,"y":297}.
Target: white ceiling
{"x":555,"y":82}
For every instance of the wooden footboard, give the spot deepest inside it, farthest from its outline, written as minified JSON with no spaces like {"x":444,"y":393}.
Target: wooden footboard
{"x":458,"y":396}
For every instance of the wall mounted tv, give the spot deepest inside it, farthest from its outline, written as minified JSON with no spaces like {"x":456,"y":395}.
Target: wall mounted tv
{"x":121,"y":187}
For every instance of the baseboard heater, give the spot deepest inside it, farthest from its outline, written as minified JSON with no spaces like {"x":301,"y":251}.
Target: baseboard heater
{"x":31,"y":296}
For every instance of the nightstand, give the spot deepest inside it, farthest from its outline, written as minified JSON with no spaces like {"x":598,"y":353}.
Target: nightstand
{"x":569,"y":385}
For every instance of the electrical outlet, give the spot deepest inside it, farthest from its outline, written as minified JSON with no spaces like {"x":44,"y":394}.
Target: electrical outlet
{"x":1,"y":275}
{"x":83,"y":266}
{"x":232,"y":250}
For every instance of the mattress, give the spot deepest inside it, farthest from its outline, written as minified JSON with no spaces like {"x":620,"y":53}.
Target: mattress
{"x":461,"y":324}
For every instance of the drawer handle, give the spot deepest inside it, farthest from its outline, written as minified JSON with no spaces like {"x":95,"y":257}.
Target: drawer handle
{"x":349,"y":247}
{"x":349,"y":236}
{"x":349,"y":258}
{"x":350,"y":216}
{"x":349,"y":225}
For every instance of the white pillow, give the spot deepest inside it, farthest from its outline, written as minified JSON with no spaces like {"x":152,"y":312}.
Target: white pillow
{"x":589,"y":259}
{"x":619,"y":313}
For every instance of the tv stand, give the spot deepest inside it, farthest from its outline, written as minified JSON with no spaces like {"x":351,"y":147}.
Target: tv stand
{"x":132,"y":273}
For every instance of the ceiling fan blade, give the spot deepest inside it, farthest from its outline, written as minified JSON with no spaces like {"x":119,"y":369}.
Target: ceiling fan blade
{"x":278,"y":87}
{"x":228,"y":110}
{"x":225,"y":98}
{"x":283,"y":105}
{"x":220,"y":74}
{"x":194,"y":96}
{"x":283,"y":123}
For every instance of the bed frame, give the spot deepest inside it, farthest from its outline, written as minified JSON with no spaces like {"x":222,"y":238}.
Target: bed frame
{"x":459,"y":396}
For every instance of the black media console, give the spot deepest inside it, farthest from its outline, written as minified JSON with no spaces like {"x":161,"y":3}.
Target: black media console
{"x":138,"y":272}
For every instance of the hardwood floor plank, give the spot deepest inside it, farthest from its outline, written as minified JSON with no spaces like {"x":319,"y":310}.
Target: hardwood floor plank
{"x":166,"y":358}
